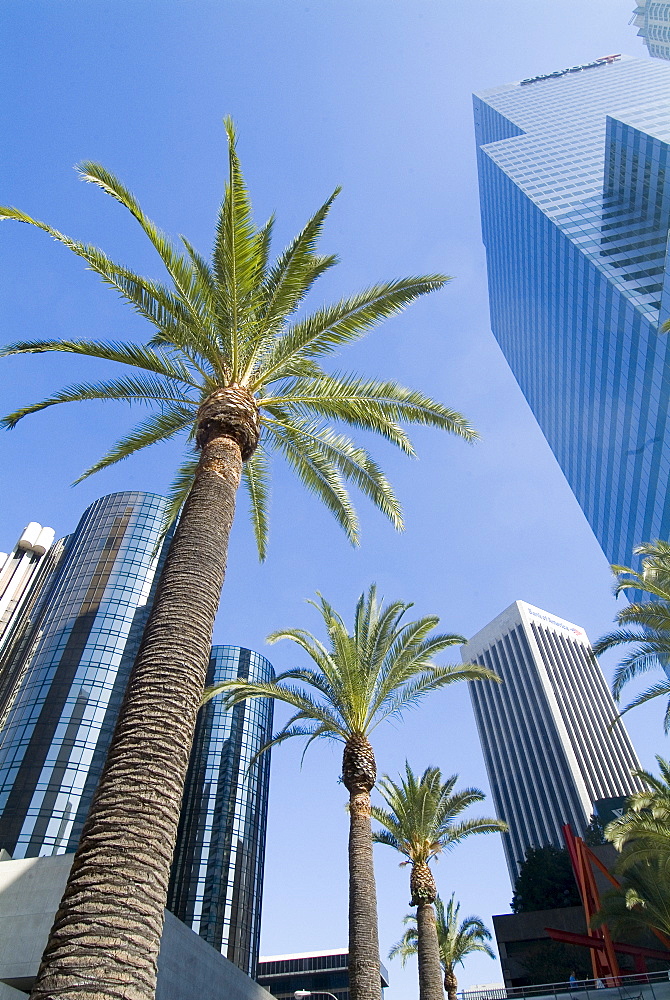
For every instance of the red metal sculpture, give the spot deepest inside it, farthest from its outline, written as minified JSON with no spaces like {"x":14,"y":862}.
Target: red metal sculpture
{"x":599,"y":940}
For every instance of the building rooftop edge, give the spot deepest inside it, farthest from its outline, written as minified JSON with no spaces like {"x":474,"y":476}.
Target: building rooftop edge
{"x":512,"y":84}
{"x":517,"y":610}
{"x":304,"y":954}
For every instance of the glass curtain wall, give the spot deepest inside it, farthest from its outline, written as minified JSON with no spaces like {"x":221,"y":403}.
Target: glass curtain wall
{"x":217,"y":875}
{"x":77,"y":661}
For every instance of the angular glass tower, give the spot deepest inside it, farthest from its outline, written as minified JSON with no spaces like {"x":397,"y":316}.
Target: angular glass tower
{"x":545,"y":731}
{"x":217,"y":874}
{"x":574,"y":175}
{"x":652,"y":17}
{"x":72,"y":671}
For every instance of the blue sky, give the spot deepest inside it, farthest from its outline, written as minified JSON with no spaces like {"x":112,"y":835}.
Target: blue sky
{"x":374,"y":96}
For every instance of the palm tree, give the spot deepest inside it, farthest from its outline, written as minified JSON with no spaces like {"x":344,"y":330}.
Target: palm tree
{"x":642,"y":834}
{"x":644,"y":623}
{"x":642,"y":903}
{"x":643,"y":831}
{"x":232,"y":368}
{"x":361,"y":678}
{"x":419,"y":823}
{"x":456,"y":941}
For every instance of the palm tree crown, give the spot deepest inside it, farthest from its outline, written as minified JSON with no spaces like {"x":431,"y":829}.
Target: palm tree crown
{"x":642,"y":834}
{"x":456,"y":941}
{"x":363,"y":677}
{"x":419,"y":822}
{"x":646,"y":624}
{"x":227,"y":338}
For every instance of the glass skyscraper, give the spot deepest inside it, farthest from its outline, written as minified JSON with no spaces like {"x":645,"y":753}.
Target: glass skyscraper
{"x":652,"y":17}
{"x":217,"y":874}
{"x":545,"y":732}
{"x":64,"y":679}
{"x":575,"y":203}
{"x":71,"y":674}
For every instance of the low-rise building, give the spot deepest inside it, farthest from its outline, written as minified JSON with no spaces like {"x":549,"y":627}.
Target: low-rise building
{"x":313,"y":972}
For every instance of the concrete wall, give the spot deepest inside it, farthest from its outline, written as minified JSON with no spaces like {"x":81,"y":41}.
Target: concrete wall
{"x":30,"y":891}
{"x":9,"y":993}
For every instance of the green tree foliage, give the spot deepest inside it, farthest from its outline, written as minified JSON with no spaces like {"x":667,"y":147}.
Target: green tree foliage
{"x":594,"y":835}
{"x":644,"y":625}
{"x":235,"y":321}
{"x":642,"y":835}
{"x":545,"y":881}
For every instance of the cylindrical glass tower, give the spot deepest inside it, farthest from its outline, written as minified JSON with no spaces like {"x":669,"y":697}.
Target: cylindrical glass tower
{"x":217,"y":874}
{"x":82,"y":646}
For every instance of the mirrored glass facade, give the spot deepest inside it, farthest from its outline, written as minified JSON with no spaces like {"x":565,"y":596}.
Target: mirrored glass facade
{"x":75,"y":665}
{"x":574,"y":174}
{"x":217,"y":874}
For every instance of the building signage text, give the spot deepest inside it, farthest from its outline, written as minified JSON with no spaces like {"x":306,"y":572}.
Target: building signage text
{"x":603,"y":61}
{"x":552,"y":621}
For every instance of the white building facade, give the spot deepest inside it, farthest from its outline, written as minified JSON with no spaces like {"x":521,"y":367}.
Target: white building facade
{"x":545,"y":731}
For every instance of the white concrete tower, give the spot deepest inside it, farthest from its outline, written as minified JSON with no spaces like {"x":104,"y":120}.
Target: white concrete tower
{"x":19,"y":573}
{"x":548,"y":748}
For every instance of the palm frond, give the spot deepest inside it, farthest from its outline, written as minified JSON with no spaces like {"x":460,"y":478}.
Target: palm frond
{"x":310,"y":438}
{"x":287,"y":283}
{"x":150,"y":299}
{"x":157,"y":427}
{"x":409,"y":695}
{"x":255,"y":476}
{"x":137,"y":355}
{"x":238,"y":259}
{"x":347,"y":321}
{"x":236,"y":691}
{"x":655,"y":691}
{"x":130,"y":390}
{"x":317,"y":472}
{"x":178,"y":492}
{"x":370,"y":404}
{"x":175,"y":263}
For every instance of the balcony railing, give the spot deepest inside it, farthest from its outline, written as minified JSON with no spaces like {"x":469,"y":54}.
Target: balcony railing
{"x":641,"y":986}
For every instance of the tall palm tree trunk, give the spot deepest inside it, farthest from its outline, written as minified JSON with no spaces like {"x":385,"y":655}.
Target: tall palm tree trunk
{"x":450,"y":983}
{"x":358,"y":775}
{"x":428,"y":950}
{"x":106,"y":936}
{"x":424,"y":892}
